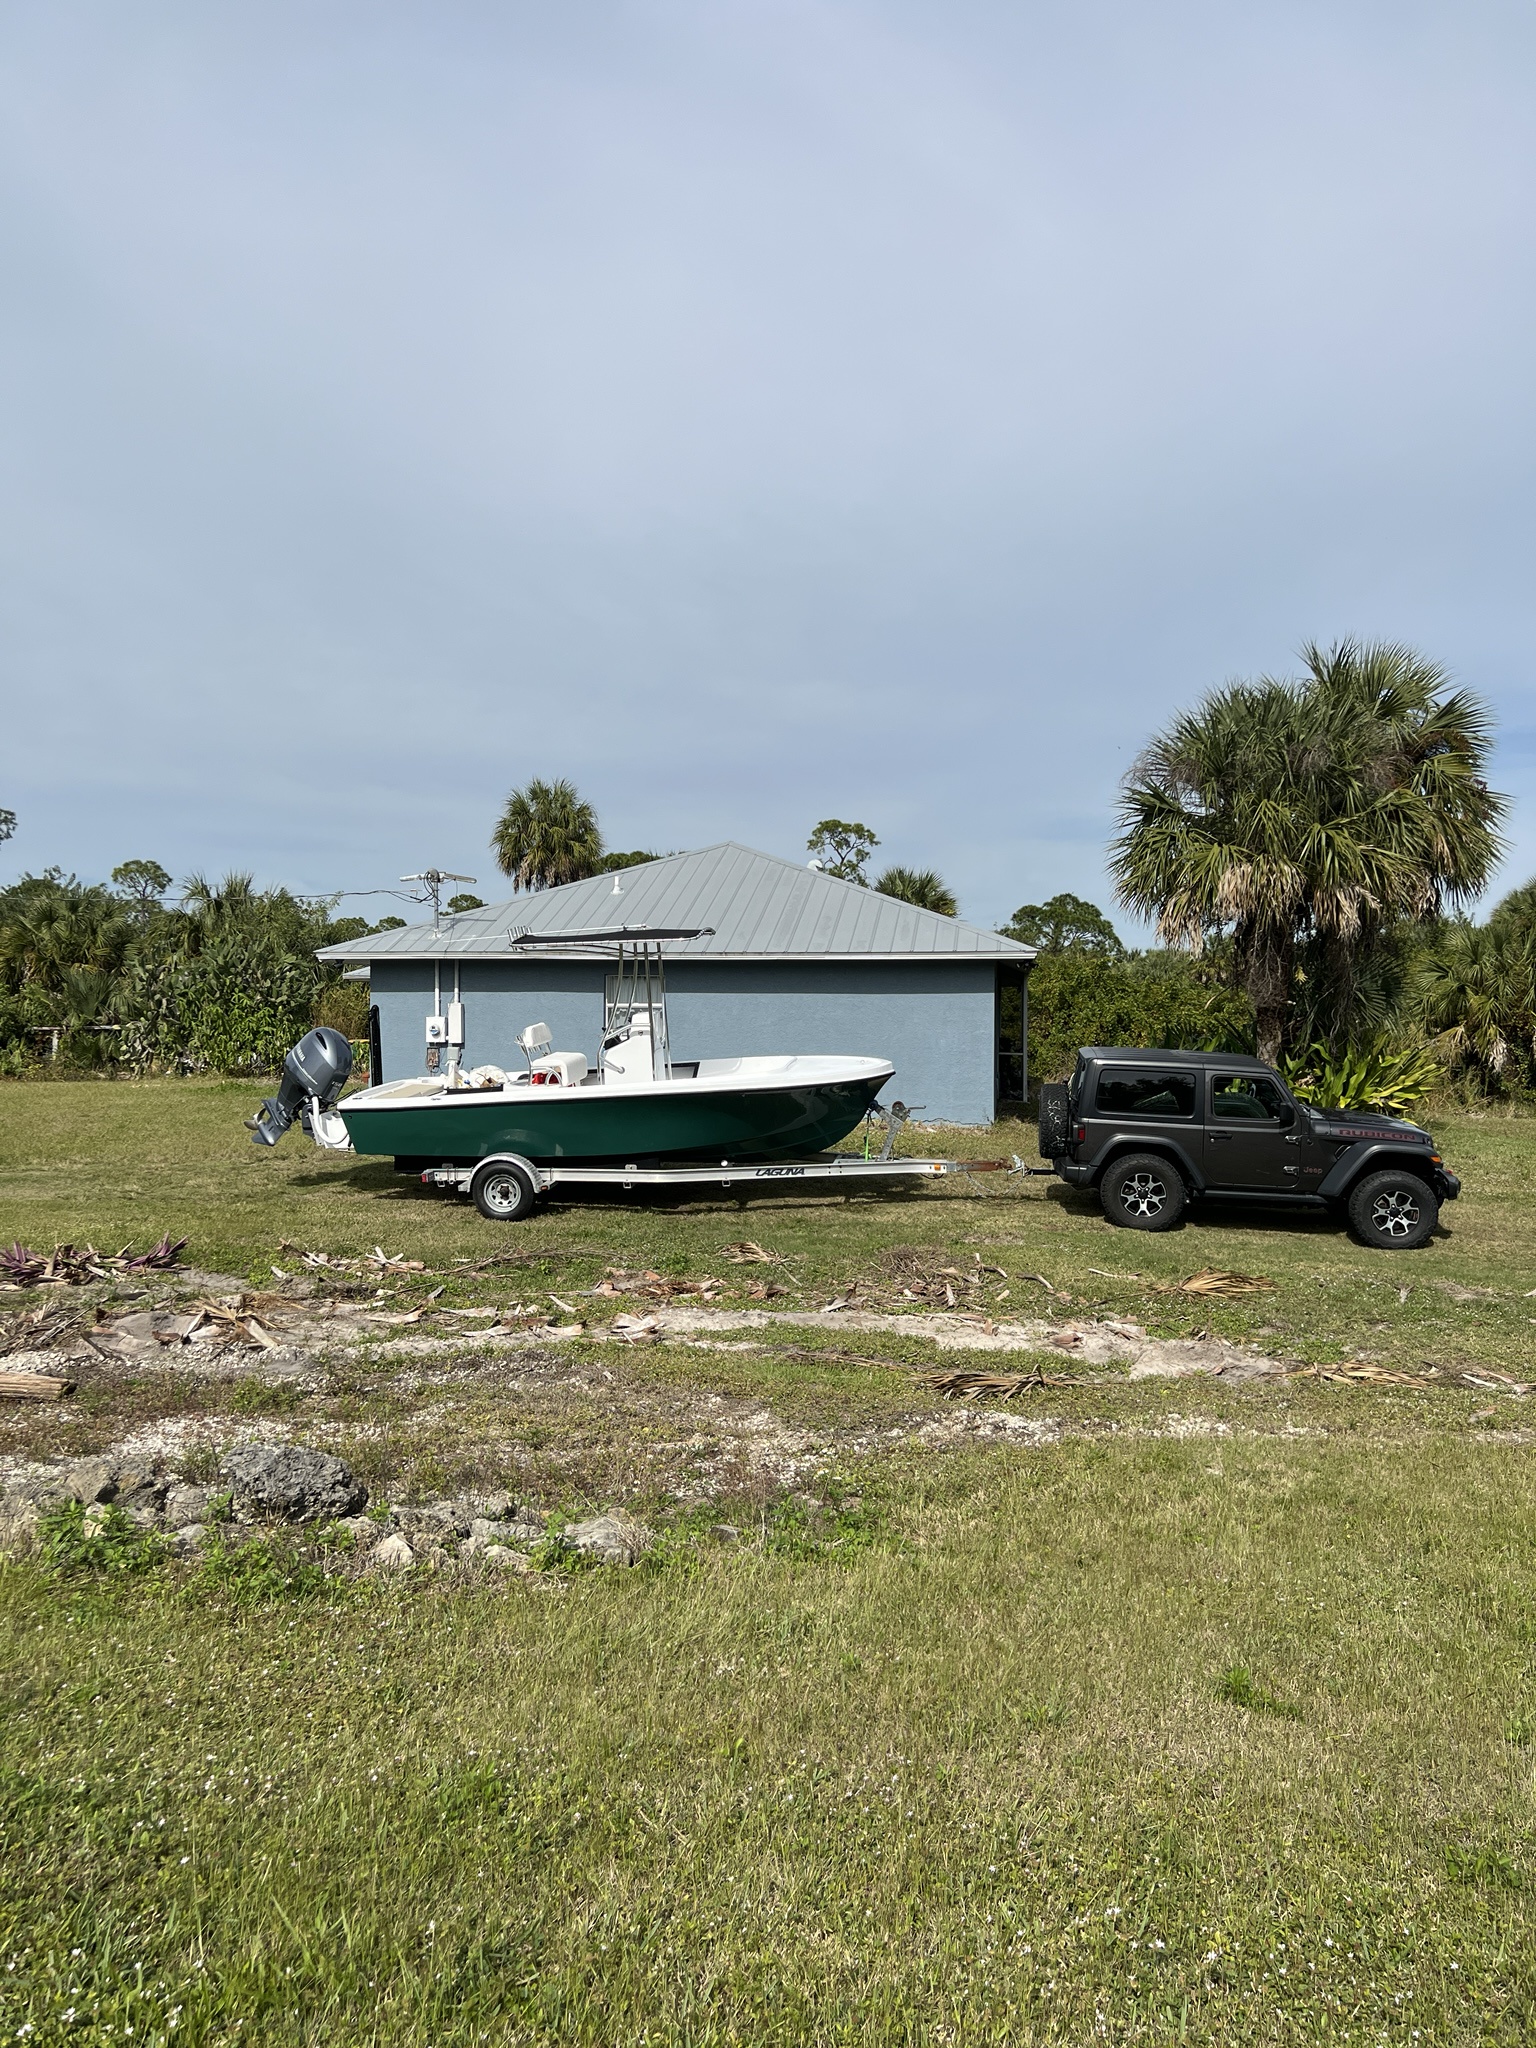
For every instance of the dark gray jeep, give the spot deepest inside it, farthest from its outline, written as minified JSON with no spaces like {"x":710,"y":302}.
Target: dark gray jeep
{"x":1154,"y":1131}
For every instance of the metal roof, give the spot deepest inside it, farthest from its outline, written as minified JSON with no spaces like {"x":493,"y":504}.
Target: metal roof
{"x":757,"y":906}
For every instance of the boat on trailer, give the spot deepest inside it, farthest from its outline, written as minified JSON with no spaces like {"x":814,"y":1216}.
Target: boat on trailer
{"x":636,"y":1117}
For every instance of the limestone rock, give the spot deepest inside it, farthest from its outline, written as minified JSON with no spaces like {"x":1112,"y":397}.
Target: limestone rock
{"x":510,"y":1534}
{"x":185,"y":1506}
{"x":611,"y":1538}
{"x":18,"y":1525}
{"x":286,"y":1483}
{"x":394,"y":1554}
{"x":189,"y":1538}
{"x":90,"y":1479}
{"x":442,"y":1521}
{"x":141,"y":1489}
{"x":505,"y":1559}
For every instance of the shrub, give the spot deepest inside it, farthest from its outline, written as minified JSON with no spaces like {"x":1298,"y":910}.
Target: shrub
{"x":1375,"y":1078}
{"x":1080,"y":998}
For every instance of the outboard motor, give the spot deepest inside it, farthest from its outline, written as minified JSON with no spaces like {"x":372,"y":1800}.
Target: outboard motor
{"x":314,"y":1074}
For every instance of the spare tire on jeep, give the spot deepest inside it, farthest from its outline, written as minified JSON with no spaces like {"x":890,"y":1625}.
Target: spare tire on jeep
{"x":1055,"y":1120}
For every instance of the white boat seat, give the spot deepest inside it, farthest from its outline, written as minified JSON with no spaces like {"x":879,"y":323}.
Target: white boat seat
{"x":560,"y":1070}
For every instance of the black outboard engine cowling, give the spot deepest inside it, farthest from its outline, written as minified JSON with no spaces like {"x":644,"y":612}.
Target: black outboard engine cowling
{"x":314,"y":1073}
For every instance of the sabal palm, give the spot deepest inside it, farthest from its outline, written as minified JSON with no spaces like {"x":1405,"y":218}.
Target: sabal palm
{"x":1324,"y":810}
{"x":919,"y":886}
{"x":546,"y":835}
{"x":57,"y":927}
{"x":1477,"y":991}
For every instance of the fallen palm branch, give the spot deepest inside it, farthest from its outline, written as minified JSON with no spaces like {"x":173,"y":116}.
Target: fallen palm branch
{"x":963,"y":1384}
{"x":1360,"y":1372}
{"x":40,"y":1330}
{"x":652,"y":1286}
{"x":1212,"y":1280}
{"x":69,"y":1265}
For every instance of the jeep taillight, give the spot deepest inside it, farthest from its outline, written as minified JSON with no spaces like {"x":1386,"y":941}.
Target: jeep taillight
{"x":1080,"y":1135}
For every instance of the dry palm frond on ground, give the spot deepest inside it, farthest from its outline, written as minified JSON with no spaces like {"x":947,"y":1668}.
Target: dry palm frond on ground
{"x":70,"y":1265}
{"x":1212,"y":1280}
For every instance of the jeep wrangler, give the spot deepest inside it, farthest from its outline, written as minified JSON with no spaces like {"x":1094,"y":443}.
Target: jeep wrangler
{"x":1154,"y":1131}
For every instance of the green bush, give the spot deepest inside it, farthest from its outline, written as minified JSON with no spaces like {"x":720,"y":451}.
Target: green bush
{"x":1080,"y":998}
{"x":1377,"y":1077}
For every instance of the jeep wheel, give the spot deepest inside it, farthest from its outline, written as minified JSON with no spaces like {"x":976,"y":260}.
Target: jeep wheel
{"x":1143,"y":1192}
{"x":1395,"y":1212}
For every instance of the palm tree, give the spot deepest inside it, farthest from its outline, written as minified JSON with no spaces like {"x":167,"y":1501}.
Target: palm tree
{"x":1321,"y":813}
{"x":546,"y":835}
{"x":1477,"y":991}
{"x":920,"y":886}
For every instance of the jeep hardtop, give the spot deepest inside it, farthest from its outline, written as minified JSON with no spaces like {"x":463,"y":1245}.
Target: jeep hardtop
{"x":1153,"y":1131}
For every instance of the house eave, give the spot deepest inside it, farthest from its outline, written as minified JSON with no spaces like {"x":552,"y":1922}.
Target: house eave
{"x":1020,"y":956}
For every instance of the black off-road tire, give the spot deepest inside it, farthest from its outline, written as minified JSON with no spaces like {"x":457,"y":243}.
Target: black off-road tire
{"x":1143,"y":1191}
{"x":1055,"y":1120}
{"x":502,"y":1192}
{"x":1393,"y":1211}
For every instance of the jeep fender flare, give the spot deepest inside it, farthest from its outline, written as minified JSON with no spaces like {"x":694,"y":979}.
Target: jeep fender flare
{"x":1122,"y":1142}
{"x":1373,"y":1154}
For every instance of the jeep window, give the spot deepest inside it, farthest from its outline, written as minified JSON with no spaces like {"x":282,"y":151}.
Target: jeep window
{"x":1250,"y":1098}
{"x":1145,"y":1091}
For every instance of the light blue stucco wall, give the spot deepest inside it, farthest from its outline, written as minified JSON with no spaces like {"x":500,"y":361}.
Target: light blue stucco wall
{"x":934,"y":1021}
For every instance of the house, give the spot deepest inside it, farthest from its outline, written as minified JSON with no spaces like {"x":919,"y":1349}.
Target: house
{"x":795,"y":962}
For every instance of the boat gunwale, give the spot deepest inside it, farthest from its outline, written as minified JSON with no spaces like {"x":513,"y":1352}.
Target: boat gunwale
{"x":434,"y":1095}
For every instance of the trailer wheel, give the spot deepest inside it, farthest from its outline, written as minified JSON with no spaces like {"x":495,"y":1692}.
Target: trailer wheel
{"x":501,"y":1192}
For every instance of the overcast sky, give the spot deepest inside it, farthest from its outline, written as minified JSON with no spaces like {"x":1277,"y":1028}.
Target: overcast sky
{"x":749,"y":411}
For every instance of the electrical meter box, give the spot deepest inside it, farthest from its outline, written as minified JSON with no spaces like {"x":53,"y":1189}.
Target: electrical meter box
{"x":437,"y":1031}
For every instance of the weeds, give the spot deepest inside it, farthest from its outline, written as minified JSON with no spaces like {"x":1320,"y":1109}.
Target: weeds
{"x":1482,"y":1866}
{"x":261,"y":1570}
{"x":100,"y":1543}
{"x":1237,"y":1688}
{"x":554,"y":1552}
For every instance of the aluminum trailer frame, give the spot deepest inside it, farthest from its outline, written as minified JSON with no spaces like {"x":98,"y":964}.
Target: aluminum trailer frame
{"x":826,"y":1166}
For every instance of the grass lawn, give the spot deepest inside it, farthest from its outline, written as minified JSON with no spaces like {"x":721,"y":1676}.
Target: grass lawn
{"x":1206,"y":1713}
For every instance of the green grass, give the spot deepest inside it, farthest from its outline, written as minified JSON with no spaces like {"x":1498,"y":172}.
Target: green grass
{"x":1210,"y":1722}
{"x":120,"y":1162}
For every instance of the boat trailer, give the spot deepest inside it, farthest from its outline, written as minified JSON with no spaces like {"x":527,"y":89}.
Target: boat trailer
{"x":504,"y":1186}
{"x":730,"y":1173}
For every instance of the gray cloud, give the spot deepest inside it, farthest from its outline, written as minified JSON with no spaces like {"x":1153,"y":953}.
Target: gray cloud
{"x":750,"y":411}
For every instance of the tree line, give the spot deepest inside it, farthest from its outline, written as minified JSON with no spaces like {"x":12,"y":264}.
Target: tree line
{"x":222,"y":980}
{"x":1306,"y":849}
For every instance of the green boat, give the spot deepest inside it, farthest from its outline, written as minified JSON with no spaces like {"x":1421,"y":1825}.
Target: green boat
{"x":636,"y":1106}
{"x":738,"y":1109}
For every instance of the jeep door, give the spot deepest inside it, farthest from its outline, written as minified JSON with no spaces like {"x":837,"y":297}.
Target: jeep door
{"x":1252,"y":1134}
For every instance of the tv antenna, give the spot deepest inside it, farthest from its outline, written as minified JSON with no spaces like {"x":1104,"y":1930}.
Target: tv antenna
{"x":432,"y":880}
